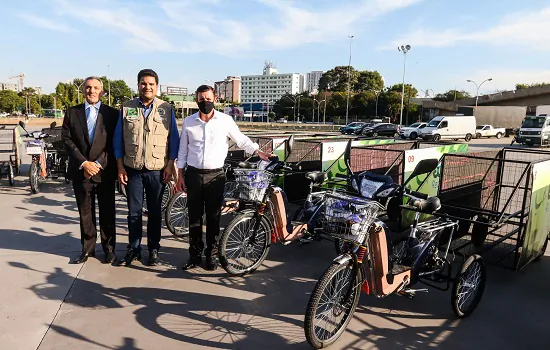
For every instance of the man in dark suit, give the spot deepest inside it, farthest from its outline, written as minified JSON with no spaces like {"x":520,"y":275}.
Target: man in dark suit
{"x":88,"y":131}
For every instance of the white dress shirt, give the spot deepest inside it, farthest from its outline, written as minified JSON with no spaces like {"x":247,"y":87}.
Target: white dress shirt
{"x":89,"y":108}
{"x":204,"y":145}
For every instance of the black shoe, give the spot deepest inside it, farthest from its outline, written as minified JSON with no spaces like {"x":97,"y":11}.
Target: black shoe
{"x":154,"y":259}
{"x":83,"y":257}
{"x":192,"y":263}
{"x":110,"y":257}
{"x":211,"y":262}
{"x":130,"y":256}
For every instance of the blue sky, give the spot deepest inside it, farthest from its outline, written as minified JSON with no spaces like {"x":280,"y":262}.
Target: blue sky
{"x":188,"y":42}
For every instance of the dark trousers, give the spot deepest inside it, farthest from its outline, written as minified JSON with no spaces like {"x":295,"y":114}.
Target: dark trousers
{"x":204,"y":195}
{"x":85,"y":193}
{"x":149,"y":181}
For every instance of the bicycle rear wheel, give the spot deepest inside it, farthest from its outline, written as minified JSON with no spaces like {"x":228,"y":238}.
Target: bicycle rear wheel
{"x":176,"y":215}
{"x":332,"y":304}
{"x":11,"y":175}
{"x":468,"y":286}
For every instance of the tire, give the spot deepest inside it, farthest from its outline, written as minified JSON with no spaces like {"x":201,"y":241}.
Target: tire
{"x":374,"y":134}
{"x":468,"y":137}
{"x":325,"y":283}
{"x":11,"y":176}
{"x":478,"y":136}
{"x":339,"y":246}
{"x":34,"y":177}
{"x":542,"y":250}
{"x":437,"y":137}
{"x":499,"y":135}
{"x":238,"y":231}
{"x":176,"y":215}
{"x":166,"y":195}
{"x":413,"y":136}
{"x":473,"y":265}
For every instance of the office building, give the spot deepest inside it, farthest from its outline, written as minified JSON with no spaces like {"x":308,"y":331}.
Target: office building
{"x":270,"y":86}
{"x":8,"y":86}
{"x":229,"y":89}
{"x":312,"y":81}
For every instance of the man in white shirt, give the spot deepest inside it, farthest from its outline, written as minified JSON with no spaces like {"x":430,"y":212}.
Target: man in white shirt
{"x":202,"y":152}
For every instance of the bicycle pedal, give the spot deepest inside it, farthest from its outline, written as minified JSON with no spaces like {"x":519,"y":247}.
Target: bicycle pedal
{"x":413,"y":291}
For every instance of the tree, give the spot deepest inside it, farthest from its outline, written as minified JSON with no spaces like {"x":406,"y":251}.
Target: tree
{"x":10,"y":101}
{"x":336,"y":79}
{"x":520,"y":86}
{"x":120,"y":91}
{"x":368,"y":80}
{"x":452,"y":95}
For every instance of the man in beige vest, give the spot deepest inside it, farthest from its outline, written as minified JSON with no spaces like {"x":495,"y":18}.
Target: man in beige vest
{"x":146,"y":144}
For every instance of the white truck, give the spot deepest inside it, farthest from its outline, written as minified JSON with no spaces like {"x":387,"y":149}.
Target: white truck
{"x":489,"y":131}
{"x":450,"y":127}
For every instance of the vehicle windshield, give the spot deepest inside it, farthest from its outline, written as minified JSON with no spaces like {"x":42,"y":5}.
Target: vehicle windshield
{"x":537,"y":122}
{"x":415,"y":125}
{"x":351,"y":125}
{"x":434,"y":123}
{"x":479,"y":127}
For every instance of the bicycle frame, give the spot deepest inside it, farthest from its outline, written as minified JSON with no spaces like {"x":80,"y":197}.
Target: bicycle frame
{"x":282,"y":230}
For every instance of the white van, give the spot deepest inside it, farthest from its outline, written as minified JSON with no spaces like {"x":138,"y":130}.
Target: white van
{"x":535,"y":130}
{"x":450,"y":127}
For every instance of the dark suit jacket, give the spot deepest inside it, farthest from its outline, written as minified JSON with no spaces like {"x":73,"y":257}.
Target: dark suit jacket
{"x":79,"y":147}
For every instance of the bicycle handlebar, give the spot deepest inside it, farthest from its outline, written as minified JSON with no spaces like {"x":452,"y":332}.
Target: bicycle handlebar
{"x":415,"y":195}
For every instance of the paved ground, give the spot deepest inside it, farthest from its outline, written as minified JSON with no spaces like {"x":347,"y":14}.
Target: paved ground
{"x":47,"y":303}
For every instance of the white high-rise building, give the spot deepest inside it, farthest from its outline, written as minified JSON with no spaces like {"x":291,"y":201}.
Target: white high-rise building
{"x":303,"y":83}
{"x":270,"y":86}
{"x":312,"y":80}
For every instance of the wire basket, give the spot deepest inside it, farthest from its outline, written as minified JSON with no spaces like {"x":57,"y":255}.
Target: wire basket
{"x":348,"y":217}
{"x":251,"y":184}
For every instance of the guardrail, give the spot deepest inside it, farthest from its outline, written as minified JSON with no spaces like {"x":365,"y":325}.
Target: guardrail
{"x":288,"y":126}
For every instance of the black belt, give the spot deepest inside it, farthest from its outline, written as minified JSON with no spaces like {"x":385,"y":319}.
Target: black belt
{"x":204,"y":171}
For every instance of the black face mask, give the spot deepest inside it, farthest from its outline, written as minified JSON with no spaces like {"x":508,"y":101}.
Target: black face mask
{"x":206,"y":106}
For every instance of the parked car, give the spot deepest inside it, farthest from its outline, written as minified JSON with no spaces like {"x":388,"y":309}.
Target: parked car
{"x":352,"y":127}
{"x":412,"y":131}
{"x":4,"y":115}
{"x":383,"y":129}
{"x":489,"y":131}
{"x":450,"y":127}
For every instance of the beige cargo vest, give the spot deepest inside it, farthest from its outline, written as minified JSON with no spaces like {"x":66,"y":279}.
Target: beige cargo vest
{"x":146,"y":140}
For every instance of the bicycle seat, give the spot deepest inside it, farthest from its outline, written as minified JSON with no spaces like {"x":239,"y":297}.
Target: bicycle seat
{"x":318,"y":177}
{"x":248,"y":165}
{"x":427,"y":206}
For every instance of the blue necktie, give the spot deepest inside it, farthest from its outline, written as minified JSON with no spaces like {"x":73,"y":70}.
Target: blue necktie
{"x":91,"y":120}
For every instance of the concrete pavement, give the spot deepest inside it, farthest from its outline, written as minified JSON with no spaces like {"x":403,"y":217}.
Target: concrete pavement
{"x":47,"y":303}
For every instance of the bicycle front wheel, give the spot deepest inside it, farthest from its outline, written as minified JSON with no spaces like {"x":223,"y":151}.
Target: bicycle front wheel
{"x":177,"y":215}
{"x":34,"y":177}
{"x":332,"y":304}
{"x":241,"y":250}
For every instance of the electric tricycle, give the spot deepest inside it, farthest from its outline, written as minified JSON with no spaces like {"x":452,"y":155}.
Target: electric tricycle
{"x":371,"y":263}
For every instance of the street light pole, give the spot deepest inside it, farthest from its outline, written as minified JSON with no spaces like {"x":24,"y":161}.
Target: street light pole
{"x":404,"y":49}
{"x":377,"y":93}
{"x":324,"y":111}
{"x":349,"y":72}
{"x":477,"y":86}
{"x":38,"y":89}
